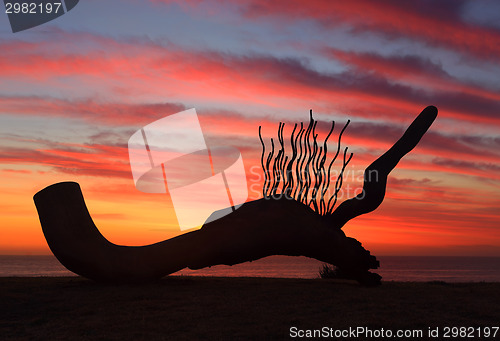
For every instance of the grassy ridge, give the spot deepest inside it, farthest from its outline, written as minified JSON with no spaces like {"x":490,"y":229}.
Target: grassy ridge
{"x":232,"y":308}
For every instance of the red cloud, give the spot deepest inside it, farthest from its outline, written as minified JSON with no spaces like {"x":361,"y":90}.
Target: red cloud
{"x":434,"y":23}
{"x":237,"y":80}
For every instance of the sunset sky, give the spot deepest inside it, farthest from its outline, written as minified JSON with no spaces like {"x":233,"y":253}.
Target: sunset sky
{"x":74,"y":90}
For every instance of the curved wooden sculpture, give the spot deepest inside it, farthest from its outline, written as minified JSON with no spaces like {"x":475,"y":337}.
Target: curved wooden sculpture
{"x":258,"y":229}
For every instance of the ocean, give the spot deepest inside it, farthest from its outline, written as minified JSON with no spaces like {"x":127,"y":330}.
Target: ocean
{"x":392,"y":268}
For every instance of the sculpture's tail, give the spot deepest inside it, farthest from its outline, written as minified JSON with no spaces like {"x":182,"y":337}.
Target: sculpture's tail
{"x":375,"y":178}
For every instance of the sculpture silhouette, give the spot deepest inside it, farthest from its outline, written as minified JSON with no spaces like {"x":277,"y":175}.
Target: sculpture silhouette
{"x":259,"y":228}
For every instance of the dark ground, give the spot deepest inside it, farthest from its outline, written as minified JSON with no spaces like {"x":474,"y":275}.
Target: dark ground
{"x":192,"y":308}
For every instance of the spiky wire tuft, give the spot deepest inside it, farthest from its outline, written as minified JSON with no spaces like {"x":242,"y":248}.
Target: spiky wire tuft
{"x":304,"y":174}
